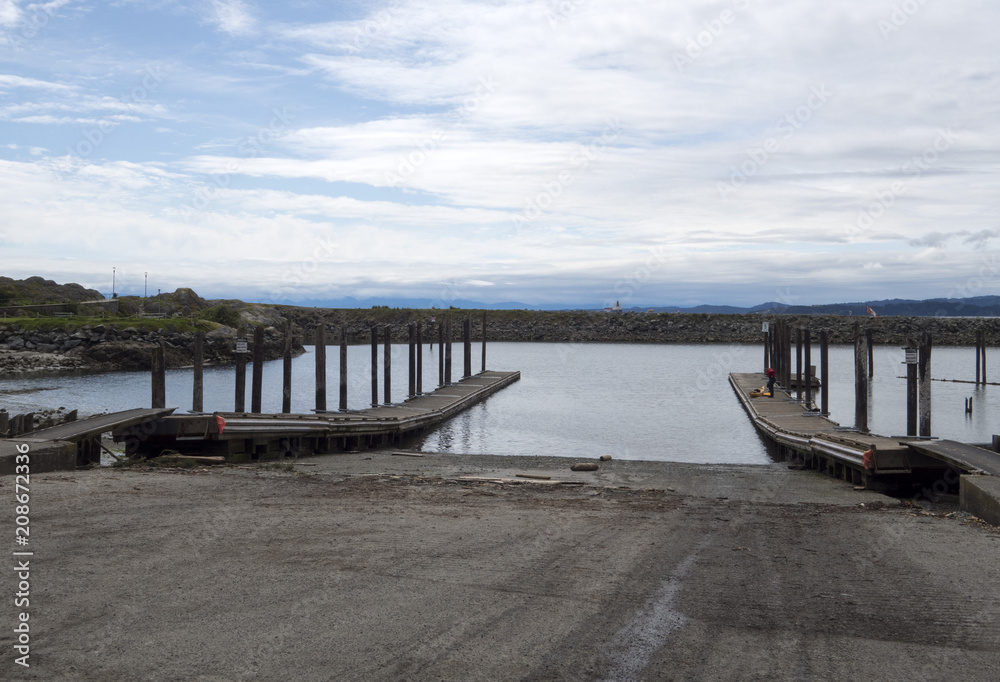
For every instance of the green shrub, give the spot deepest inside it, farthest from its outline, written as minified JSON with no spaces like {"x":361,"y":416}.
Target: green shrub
{"x":222,"y":314}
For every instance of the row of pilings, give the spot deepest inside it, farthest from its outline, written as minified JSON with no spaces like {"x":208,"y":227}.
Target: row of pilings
{"x":415,"y":339}
{"x":788,"y":350}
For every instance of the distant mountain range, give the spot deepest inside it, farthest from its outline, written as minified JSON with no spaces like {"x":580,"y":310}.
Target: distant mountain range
{"x":36,"y":290}
{"x":978,"y":306}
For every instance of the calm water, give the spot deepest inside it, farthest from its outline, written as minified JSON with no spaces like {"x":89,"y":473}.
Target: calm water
{"x":632,"y":401}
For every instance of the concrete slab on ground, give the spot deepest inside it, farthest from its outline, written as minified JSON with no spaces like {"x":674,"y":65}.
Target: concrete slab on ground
{"x":980,"y":496}
{"x":256,"y":572}
{"x":758,"y":483}
{"x":43,"y":455}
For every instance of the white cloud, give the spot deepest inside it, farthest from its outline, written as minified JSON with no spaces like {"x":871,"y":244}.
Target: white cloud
{"x":233,"y":17}
{"x":10,"y":13}
{"x":9,"y":81}
{"x":462,"y":141}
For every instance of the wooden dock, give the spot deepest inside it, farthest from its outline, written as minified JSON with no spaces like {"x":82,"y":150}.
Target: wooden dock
{"x":793,"y":432}
{"x":241,"y":436}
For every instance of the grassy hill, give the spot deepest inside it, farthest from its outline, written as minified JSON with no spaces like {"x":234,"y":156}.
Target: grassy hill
{"x":37,"y":290}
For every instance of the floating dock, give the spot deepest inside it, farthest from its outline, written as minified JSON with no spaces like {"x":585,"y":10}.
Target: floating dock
{"x":796,"y":433}
{"x":240,"y":436}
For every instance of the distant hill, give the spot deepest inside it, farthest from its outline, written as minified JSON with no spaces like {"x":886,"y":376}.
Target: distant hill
{"x":36,"y":290}
{"x":978,"y":306}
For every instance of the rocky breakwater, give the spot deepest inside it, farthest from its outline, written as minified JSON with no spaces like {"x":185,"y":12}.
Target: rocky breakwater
{"x":632,"y":327}
{"x":697,"y":328}
{"x":119,"y":346}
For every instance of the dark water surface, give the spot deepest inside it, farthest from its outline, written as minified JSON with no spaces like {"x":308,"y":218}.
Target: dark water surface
{"x":631,"y":401}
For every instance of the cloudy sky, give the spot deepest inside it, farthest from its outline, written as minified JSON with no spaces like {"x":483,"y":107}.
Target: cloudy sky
{"x":543,"y":151}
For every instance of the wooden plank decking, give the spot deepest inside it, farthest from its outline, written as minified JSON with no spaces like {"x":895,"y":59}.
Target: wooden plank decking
{"x":240,"y":434}
{"x":792,"y":428}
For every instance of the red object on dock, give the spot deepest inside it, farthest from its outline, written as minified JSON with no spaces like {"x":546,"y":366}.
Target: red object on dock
{"x":869,"y":459}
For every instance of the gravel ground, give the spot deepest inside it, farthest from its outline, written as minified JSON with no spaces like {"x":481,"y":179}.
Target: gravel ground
{"x":372,"y":566}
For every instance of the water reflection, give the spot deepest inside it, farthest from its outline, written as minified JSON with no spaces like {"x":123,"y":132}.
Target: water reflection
{"x":631,"y":401}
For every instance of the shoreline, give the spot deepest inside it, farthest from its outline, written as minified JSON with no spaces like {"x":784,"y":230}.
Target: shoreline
{"x":393,"y":574}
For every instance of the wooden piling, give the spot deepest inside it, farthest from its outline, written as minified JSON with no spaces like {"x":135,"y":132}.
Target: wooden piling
{"x":484,"y":343}
{"x":979,"y":354}
{"x":343,"y":368}
{"x":286,"y":369}
{"x":321,"y":367}
{"x":387,"y":366}
{"x":798,"y":363}
{"x":924,"y":379}
{"x":159,"y":376}
{"x":982,"y":346}
{"x":411,"y":331}
{"x":4,"y":424}
{"x":770,"y":347}
{"x":767,"y":356}
{"x":441,"y":354}
{"x":787,"y":340}
{"x":870,"y":344}
{"x":198,"y":386}
{"x":775,"y":355}
{"x":420,"y":359}
{"x":374,"y":365}
{"x":824,"y":372}
{"x":860,"y":380}
{"x":467,"y":348}
{"x":807,"y":350}
{"x":240,"y":403}
{"x":447,"y":353}
{"x":911,"y":391}
{"x":258,"y":369}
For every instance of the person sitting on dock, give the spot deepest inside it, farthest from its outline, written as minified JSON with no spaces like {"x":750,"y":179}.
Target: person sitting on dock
{"x":772,"y":376}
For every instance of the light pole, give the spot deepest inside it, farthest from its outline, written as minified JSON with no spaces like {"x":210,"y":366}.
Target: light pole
{"x":112,"y":282}
{"x":159,"y":305}
{"x":145,"y":281}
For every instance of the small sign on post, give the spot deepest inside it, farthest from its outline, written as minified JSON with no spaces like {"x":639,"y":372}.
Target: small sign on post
{"x":911,"y":356}
{"x":766,"y":327}
{"x":241,"y":345}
